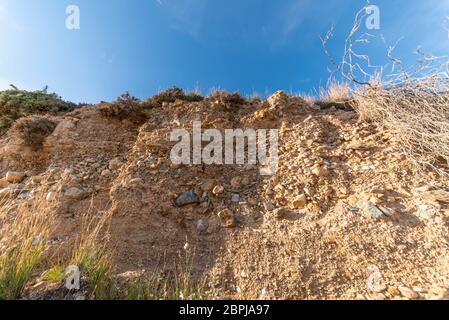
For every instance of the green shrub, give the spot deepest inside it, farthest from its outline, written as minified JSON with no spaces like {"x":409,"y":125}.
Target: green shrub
{"x":193,"y":97}
{"x":228,"y":99}
{"x":170,"y":96}
{"x":125,"y":107}
{"x":15,"y":104}
{"x":55,"y":274}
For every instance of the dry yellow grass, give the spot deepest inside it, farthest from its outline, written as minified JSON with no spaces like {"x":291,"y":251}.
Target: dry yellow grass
{"x":24,"y":230}
{"x":336,"y":92}
{"x":93,"y":255}
{"x":416,"y":110}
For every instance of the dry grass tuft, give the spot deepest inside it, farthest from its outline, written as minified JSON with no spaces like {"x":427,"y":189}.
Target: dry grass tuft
{"x":412,"y":102}
{"x":336,"y":92}
{"x":417,"y":112}
{"x":24,"y":230}
{"x":33,"y":131}
{"x":93,"y":254}
{"x":176,"y":283}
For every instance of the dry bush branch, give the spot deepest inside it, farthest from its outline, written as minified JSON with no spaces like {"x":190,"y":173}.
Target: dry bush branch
{"x":411,"y":102}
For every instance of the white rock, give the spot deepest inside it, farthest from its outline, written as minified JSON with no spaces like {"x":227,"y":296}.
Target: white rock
{"x":374,"y":279}
{"x":51,"y":196}
{"x":75,"y":193}
{"x":202,"y":225}
{"x":299,"y":202}
{"x":408,"y":293}
{"x":264,"y":294}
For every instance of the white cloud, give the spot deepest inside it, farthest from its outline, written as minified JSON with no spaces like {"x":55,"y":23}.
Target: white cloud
{"x":293,"y":17}
{"x":187,"y":15}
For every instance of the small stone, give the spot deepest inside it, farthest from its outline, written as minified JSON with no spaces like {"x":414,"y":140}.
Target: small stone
{"x":352,"y":200}
{"x":344,"y":191}
{"x":408,"y":293}
{"x":115,"y":164}
{"x":388,"y":211}
{"x":15,"y":177}
{"x":51,"y":196}
{"x":153,"y":162}
{"x":393,"y":291}
{"x":264,"y":294}
{"x":374,"y":211}
{"x":246,"y":181}
{"x":320,"y":172}
{"x":236,"y":183}
{"x":218,"y":190}
{"x":235,"y":198}
{"x":268,"y":206}
{"x":281,"y":213}
{"x":37,"y":241}
{"x":299,"y":202}
{"x":202,"y":225}
{"x":37,"y":179}
{"x":374,"y":279}
{"x":186,"y":198}
{"x":25,"y":195}
{"x":207,"y":186}
{"x":75,"y":193}
{"x":252,"y":201}
{"x":419,"y":290}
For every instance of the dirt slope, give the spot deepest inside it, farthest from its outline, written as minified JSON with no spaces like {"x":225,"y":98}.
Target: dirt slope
{"x":345,"y":216}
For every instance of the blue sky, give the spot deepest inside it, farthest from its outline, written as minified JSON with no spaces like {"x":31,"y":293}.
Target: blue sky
{"x":144,"y":46}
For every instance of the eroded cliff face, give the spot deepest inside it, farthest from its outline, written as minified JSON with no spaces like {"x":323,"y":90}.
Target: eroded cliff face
{"x":345,"y":215}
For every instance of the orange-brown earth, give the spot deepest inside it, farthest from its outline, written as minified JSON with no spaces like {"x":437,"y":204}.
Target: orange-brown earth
{"x":345,"y":216}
